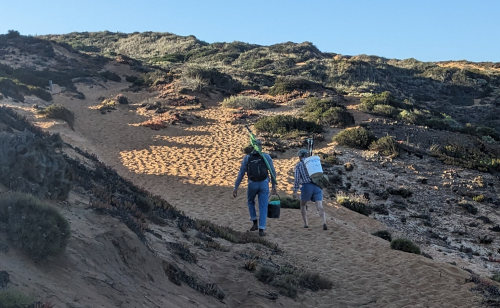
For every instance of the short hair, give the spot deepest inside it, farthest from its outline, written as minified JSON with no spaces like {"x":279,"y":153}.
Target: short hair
{"x":302,"y":153}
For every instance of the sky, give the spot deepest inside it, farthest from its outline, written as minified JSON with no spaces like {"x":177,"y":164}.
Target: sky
{"x":437,"y":30}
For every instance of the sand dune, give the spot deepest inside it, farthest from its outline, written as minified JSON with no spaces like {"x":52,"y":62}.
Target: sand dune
{"x":194,"y":168}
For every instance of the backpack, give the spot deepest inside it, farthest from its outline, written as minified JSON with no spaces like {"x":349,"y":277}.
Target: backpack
{"x":256,"y":168}
{"x":319,"y":178}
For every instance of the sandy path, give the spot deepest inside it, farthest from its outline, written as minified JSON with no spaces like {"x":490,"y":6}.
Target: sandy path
{"x":194,"y":168}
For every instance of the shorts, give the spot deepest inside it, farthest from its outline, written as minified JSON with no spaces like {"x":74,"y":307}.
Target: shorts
{"x":311,"y":192}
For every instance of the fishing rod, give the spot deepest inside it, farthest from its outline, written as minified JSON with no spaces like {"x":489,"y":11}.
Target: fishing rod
{"x":256,"y":147}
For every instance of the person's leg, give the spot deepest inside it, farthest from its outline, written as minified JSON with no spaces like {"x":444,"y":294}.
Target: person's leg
{"x":318,"y":197}
{"x":303,"y":210}
{"x":251,"y":192}
{"x":263,"y":195}
{"x":305,"y":195}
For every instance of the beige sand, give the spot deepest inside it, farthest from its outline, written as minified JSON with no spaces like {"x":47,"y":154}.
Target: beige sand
{"x":194,"y":168}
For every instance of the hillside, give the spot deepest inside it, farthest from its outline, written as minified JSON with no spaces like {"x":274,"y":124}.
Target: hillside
{"x":166,"y":114}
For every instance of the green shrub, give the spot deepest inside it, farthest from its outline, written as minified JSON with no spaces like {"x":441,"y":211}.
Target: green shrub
{"x":327,"y":112}
{"x":385,"y":98}
{"x":246,"y":102}
{"x":383,"y":234}
{"x":33,"y":226}
{"x":59,"y":112}
{"x":354,"y":203}
{"x":410,"y":117}
{"x":478,"y":198}
{"x":385,"y":110}
{"x":211,"y":76}
{"x":283,"y":124}
{"x":285,"y":85}
{"x":357,"y":137}
{"x":14,"y":299}
{"x":386,"y":146}
{"x":405,"y":245}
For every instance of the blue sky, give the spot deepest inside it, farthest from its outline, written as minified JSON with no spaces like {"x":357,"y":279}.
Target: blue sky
{"x":436,"y":30}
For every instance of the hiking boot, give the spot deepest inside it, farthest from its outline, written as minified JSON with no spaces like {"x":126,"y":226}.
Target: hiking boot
{"x":254,"y":226}
{"x":261,"y":232}
{"x":325,"y":227}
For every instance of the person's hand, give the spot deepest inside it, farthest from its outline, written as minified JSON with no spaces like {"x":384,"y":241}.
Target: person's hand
{"x":295,"y":196}
{"x":273,"y":191}
{"x":235,"y":192}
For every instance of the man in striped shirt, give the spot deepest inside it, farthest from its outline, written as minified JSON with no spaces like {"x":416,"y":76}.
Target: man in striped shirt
{"x":308,"y":190}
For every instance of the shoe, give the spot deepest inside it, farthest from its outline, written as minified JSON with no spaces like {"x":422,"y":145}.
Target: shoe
{"x":261,"y":232}
{"x":325,"y":227}
{"x":306,"y":226}
{"x":254,"y":226}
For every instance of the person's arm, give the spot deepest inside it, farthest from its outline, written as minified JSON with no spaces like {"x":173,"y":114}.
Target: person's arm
{"x":273,"y":179}
{"x":296,"y":182}
{"x":241,"y":173}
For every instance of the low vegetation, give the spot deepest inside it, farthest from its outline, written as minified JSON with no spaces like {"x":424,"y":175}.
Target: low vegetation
{"x":355,"y":203}
{"x":405,"y":245}
{"x":284,"y":85}
{"x":246,"y":102}
{"x":327,"y":112}
{"x":34,"y":226}
{"x":286,"y":124}
{"x":288,"y":279}
{"x":357,"y":137}
{"x":15,"y":299}
{"x":60,"y":112}
{"x":383,"y":234}
{"x":386,"y":146}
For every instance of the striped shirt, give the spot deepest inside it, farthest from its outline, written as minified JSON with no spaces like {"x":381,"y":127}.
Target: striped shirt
{"x":301,"y":176}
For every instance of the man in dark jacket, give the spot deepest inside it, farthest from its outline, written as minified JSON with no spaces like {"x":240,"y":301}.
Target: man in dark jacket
{"x":258,"y":185}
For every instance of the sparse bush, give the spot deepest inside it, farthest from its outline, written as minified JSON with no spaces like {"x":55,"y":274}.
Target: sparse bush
{"x":383,"y":234}
{"x":386,"y":146}
{"x":285,"y":85}
{"x":367,"y":104}
{"x":467,"y":156}
{"x":314,"y":282}
{"x":327,"y":112}
{"x":411,"y":117}
{"x":289,"y":203}
{"x":246,"y":102}
{"x":107,"y":105}
{"x":266,"y":274}
{"x":357,"y":137}
{"x":478,"y":198}
{"x":354,"y":203}
{"x":385,"y":110}
{"x":212,"y":77}
{"x":14,"y":299}
{"x":59,"y":112}
{"x":405,"y":245}
{"x":34,"y":226}
{"x":283,"y":124}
